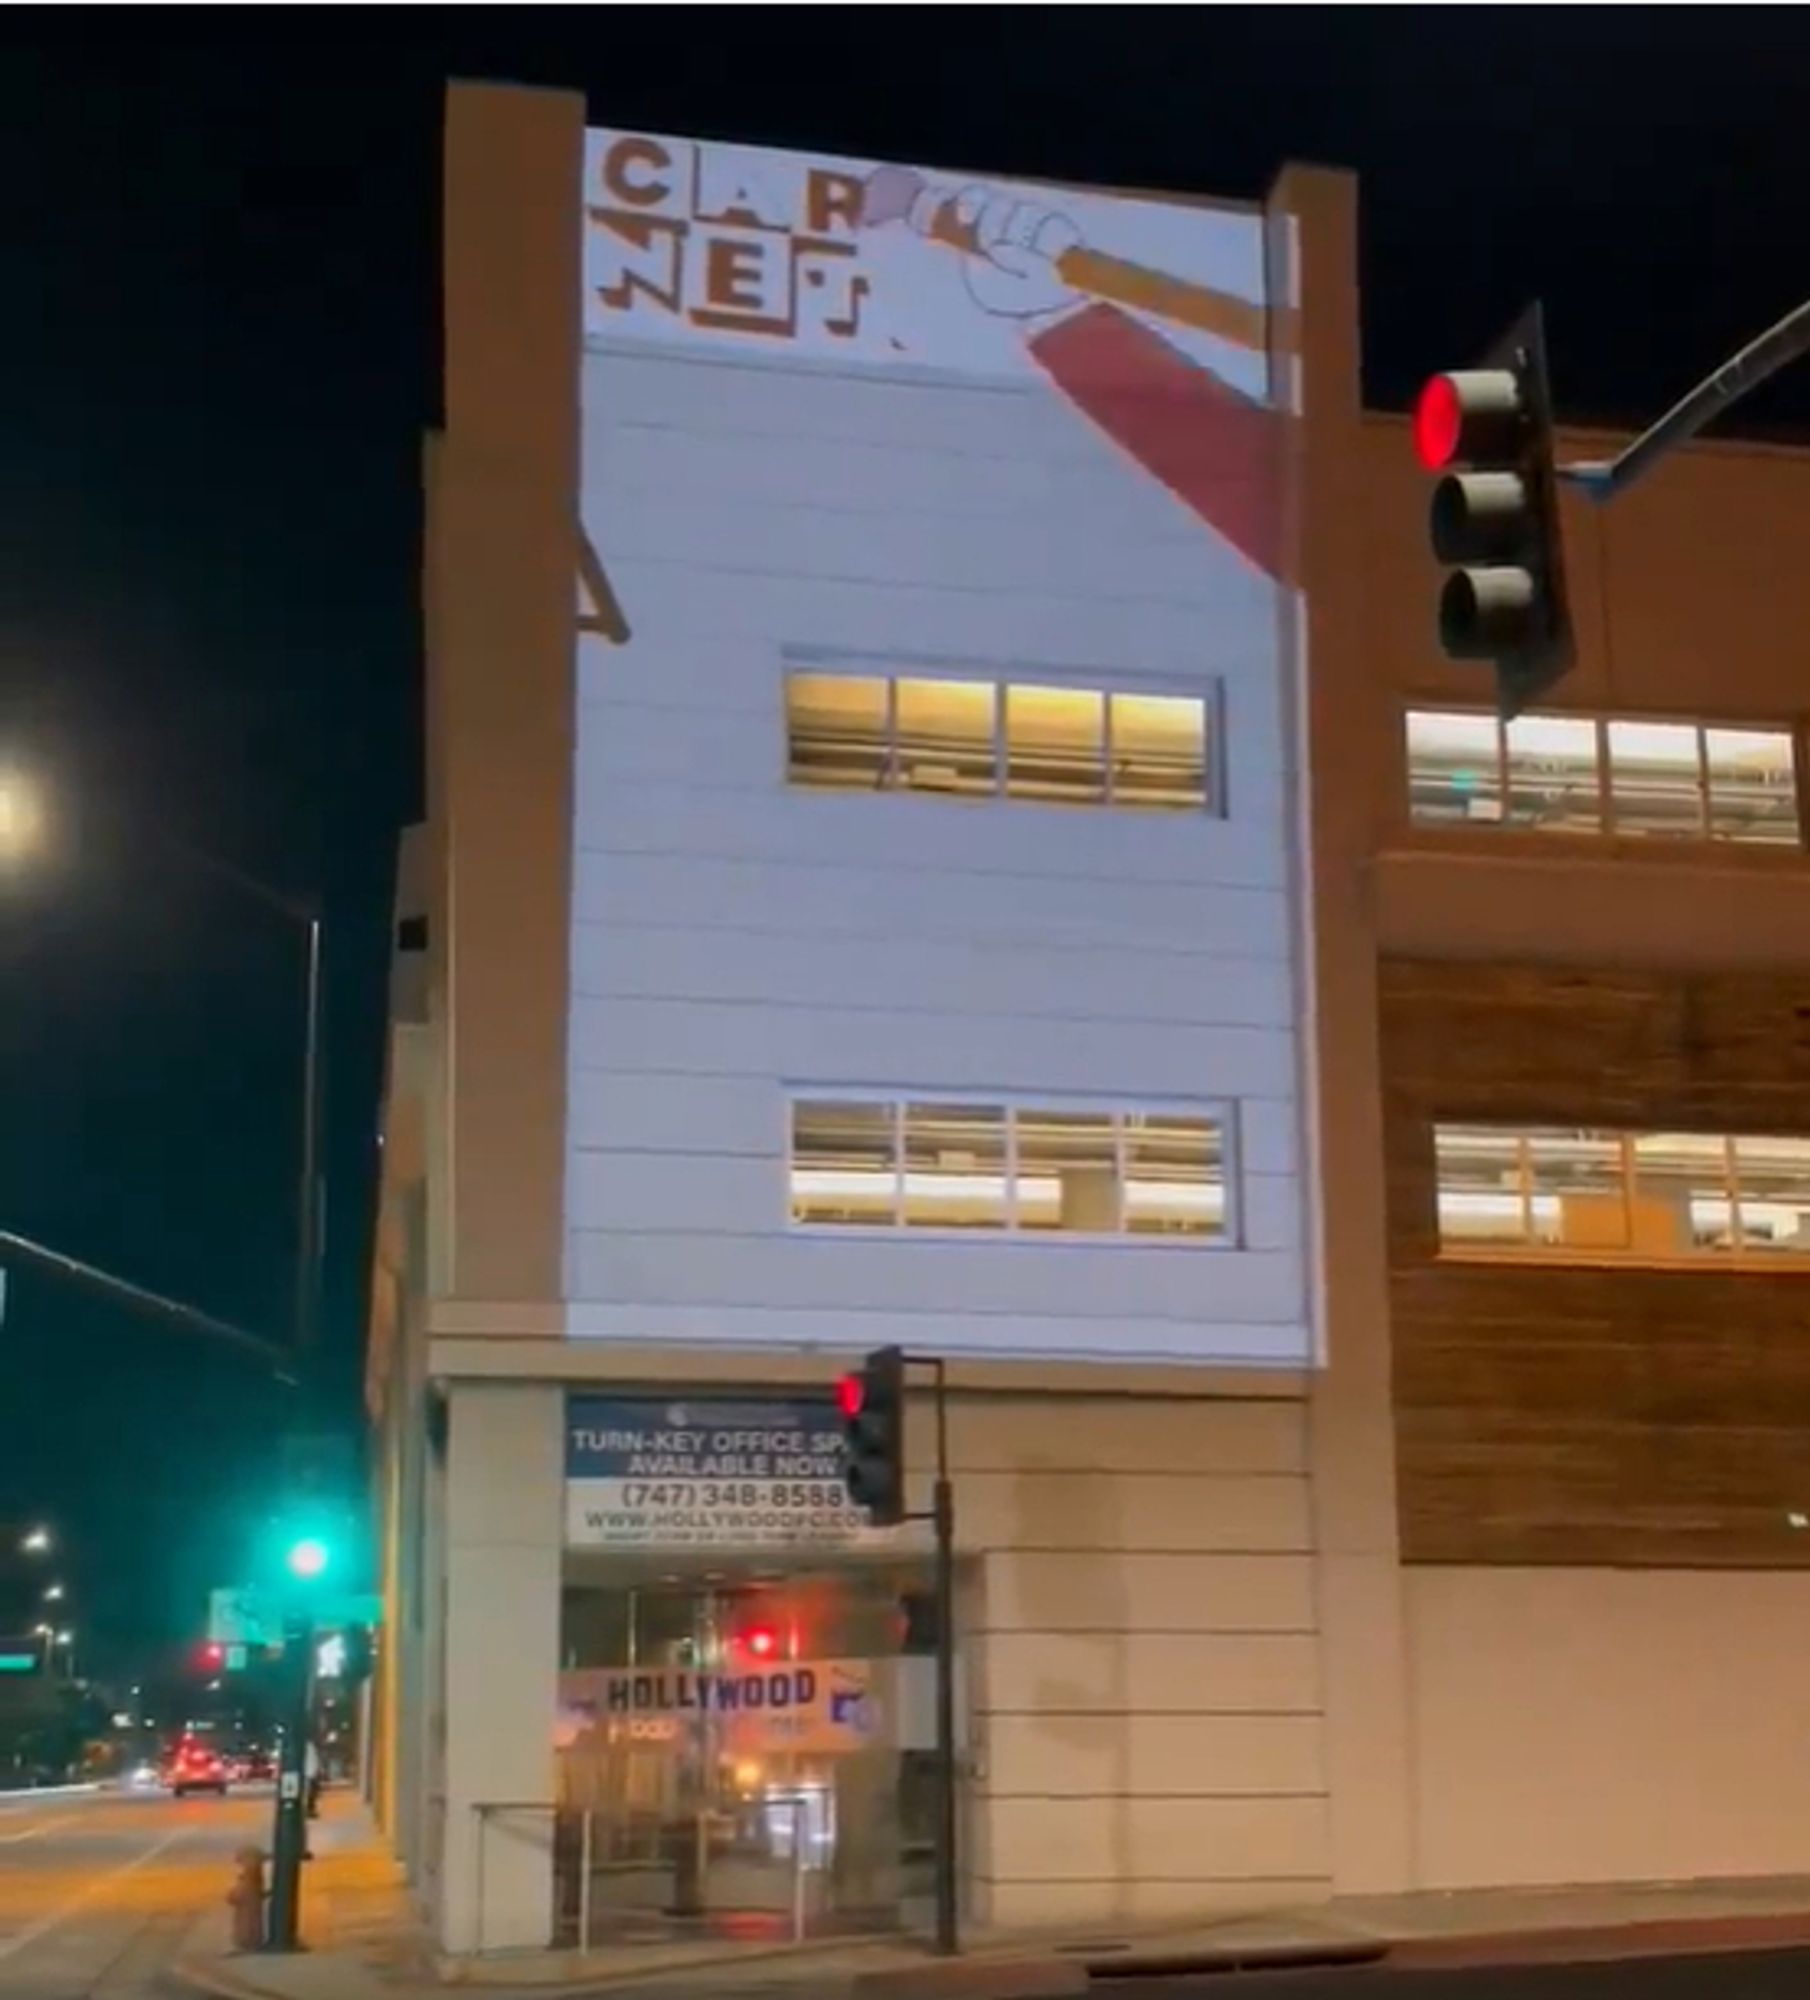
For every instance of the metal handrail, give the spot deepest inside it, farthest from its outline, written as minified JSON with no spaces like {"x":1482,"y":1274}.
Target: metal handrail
{"x":486,"y":1810}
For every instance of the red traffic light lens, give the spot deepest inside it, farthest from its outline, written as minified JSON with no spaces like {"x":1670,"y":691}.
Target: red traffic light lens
{"x":1438,"y":423}
{"x":851,"y":1394}
{"x":760,"y":1642}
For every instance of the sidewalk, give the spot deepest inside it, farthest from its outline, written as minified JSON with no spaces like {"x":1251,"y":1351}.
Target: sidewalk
{"x":364,"y":1945}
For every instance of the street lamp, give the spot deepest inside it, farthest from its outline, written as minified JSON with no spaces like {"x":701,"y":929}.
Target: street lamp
{"x":53,"y":1593}
{"x":22,"y":817}
{"x":37,"y":1542}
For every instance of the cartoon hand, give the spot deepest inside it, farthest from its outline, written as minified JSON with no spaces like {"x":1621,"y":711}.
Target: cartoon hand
{"x":1019,"y":244}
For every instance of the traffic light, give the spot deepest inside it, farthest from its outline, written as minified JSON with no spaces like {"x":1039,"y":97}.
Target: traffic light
{"x":308,"y":1557}
{"x":872,"y":1403}
{"x":1494,"y":518}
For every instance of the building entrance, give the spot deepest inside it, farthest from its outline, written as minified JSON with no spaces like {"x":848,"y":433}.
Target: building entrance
{"x":743,"y":1751}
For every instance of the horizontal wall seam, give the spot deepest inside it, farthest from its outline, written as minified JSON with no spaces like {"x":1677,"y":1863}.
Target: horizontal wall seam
{"x":1145,"y":1709}
{"x":1235,"y":1799}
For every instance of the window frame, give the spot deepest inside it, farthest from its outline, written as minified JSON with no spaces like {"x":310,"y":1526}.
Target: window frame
{"x":1611,"y":835}
{"x":1221,"y":1113}
{"x":1208,"y":692}
{"x":1737,"y":1256}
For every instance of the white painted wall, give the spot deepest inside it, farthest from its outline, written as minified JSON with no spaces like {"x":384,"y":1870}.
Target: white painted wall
{"x":734,"y":937}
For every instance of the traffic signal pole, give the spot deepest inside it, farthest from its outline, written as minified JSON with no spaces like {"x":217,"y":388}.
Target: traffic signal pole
{"x":872,"y":1402}
{"x":289,"y":1836}
{"x":942,"y":1514}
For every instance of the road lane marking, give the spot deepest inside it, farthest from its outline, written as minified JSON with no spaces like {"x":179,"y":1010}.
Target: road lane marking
{"x":51,"y":1918}
{"x":32,"y":1832}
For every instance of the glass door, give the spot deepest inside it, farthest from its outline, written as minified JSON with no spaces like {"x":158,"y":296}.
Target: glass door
{"x":729,"y":1764}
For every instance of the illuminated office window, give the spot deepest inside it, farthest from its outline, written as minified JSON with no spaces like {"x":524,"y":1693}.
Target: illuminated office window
{"x":1576,"y":1190}
{"x":1554,"y":776}
{"x":845,"y":1162}
{"x":945,"y":736}
{"x":956,"y":1164}
{"x":1026,"y":740}
{"x":1656,"y":783}
{"x":1482,"y":1182}
{"x":1159,"y":751}
{"x":1056,"y":744}
{"x":837,"y":731}
{"x":1647,"y":1197}
{"x":1772,"y":1191}
{"x":1174,"y":1177}
{"x":1454,"y":768}
{"x":1629,"y":777}
{"x":1067,"y":1171}
{"x":1752,"y":785}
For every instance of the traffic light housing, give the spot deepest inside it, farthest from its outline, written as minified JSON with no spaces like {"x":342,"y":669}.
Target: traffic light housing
{"x":312,"y":1545}
{"x":872,"y":1404}
{"x":1494,"y":517}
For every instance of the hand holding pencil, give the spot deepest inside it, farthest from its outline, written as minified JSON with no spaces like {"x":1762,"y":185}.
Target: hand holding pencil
{"x":1027,"y":260}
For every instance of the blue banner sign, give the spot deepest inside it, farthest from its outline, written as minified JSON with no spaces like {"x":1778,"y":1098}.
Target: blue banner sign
{"x":679,"y":1472}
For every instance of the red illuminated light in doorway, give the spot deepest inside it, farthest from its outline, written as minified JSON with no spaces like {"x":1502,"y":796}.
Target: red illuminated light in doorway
{"x":760,"y":1642}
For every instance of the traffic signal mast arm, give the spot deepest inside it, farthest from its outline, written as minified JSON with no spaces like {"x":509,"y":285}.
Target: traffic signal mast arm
{"x":142,"y":1299}
{"x":1603,"y":479}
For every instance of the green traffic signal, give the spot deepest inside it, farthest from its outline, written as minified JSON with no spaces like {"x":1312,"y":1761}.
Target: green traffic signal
{"x":308,"y":1558}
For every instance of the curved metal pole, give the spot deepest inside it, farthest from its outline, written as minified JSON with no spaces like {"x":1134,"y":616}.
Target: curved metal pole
{"x":1603,"y":479}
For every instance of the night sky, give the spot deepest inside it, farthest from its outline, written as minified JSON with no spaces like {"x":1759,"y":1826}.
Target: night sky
{"x":217,"y":354}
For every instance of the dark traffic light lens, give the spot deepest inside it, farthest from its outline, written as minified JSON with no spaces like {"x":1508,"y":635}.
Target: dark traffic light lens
{"x":1484,"y":613}
{"x":1480,"y":517}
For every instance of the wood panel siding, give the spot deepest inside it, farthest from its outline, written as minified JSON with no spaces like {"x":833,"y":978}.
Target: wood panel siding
{"x":1593,"y":1415}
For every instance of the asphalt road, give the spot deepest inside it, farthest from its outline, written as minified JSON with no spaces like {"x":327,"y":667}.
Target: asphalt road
{"x":99,"y":1891}
{"x":1745,"y":1975}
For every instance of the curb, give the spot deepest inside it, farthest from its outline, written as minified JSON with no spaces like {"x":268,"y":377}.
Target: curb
{"x":1324,"y":1956}
{"x":1056,"y":1975}
{"x":1045,"y":1978}
{"x":184,"y":1975}
{"x":1578,"y":1944}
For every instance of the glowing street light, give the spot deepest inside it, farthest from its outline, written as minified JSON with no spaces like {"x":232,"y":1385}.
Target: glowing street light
{"x":23,"y":819}
{"x":37,"y":1543}
{"x":53,"y":1593}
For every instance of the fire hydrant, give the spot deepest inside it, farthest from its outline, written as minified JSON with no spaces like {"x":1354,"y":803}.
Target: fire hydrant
{"x":246,"y":1899}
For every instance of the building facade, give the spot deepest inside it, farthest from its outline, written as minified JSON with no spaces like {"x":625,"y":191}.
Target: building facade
{"x":944,"y":831}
